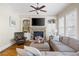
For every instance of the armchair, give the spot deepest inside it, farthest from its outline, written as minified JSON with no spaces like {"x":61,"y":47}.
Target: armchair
{"x":19,"y":38}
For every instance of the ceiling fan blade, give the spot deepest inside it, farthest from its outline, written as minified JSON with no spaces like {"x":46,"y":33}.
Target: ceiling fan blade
{"x":43,"y":10}
{"x":42,"y":7}
{"x":32,"y":10}
{"x":33,"y":7}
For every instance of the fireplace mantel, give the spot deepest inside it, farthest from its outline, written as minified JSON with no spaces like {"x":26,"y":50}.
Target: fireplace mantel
{"x":38,"y":28}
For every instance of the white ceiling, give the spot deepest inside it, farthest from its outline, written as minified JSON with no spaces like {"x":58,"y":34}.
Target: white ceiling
{"x":24,"y":8}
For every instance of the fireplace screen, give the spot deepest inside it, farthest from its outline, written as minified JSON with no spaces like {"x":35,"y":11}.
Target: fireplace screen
{"x":38,"y":33}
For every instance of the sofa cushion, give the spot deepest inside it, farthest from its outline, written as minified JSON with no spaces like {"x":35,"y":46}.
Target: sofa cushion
{"x":51,"y":53}
{"x":69,"y":54}
{"x":59,"y":46}
{"x":43,"y":53}
{"x":64,"y":48}
{"x":55,"y":53}
{"x":65,"y":40}
{"x":74,"y":44}
{"x":56,"y":42}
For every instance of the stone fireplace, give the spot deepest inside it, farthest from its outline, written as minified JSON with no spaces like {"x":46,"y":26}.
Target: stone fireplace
{"x":38,"y":31}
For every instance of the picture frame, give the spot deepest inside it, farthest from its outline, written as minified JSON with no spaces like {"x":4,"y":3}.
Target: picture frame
{"x":12,"y":22}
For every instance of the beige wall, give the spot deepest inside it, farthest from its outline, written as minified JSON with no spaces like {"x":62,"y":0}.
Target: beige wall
{"x":7,"y":31}
{"x":68,"y":9}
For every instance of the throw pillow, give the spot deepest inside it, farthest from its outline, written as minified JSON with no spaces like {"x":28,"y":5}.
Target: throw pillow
{"x":33,"y":50}
{"x":23,"y":52}
{"x":56,"y":38}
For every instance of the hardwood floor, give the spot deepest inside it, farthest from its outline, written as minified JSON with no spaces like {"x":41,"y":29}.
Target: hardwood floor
{"x":11,"y":51}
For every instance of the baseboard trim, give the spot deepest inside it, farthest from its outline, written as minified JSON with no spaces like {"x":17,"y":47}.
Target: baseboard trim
{"x":5,"y":47}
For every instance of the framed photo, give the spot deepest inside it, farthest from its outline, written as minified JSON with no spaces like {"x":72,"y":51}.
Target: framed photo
{"x":12,"y":21}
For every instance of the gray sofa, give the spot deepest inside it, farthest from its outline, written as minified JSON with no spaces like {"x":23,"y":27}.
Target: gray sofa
{"x":56,"y":53}
{"x":64,"y":47}
{"x":65,"y":44}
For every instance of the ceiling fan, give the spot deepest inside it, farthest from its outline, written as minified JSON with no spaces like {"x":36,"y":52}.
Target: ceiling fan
{"x":37,"y":8}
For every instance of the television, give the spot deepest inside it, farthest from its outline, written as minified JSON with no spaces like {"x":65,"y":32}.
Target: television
{"x":38,"y":21}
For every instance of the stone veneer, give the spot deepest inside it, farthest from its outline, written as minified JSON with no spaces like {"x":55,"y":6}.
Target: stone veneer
{"x":38,"y":28}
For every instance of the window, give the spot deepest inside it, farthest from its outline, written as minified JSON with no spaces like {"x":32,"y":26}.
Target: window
{"x":51,"y":28}
{"x":71,"y":24}
{"x":61,"y":26}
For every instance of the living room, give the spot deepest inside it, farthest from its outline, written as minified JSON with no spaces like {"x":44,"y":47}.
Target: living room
{"x":47,"y":29}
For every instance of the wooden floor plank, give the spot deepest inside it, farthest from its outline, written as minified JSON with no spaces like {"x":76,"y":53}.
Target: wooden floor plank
{"x":11,"y":51}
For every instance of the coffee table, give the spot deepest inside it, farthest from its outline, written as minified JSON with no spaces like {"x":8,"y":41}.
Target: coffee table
{"x":41,"y":46}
